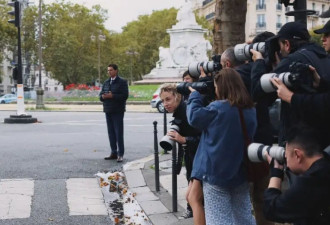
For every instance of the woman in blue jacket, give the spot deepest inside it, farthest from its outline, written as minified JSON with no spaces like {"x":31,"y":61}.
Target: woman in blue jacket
{"x":219,"y":159}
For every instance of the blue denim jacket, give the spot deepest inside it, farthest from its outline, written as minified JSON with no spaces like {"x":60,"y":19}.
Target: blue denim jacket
{"x":219,"y":156}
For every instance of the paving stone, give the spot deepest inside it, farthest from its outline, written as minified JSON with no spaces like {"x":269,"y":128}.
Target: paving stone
{"x":163,"y":219}
{"x":153,"y":207}
{"x":135,"y":178}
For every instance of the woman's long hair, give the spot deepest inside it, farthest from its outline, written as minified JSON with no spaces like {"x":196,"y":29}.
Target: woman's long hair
{"x":230,"y":87}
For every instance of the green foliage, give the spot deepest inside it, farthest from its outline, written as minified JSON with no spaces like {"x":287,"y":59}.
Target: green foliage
{"x":143,"y":36}
{"x":316,"y":38}
{"x":8,"y":32}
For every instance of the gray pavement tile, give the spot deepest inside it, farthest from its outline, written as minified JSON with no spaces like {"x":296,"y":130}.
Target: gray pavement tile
{"x":135,"y":178}
{"x":163,"y":219}
{"x":153,"y":207}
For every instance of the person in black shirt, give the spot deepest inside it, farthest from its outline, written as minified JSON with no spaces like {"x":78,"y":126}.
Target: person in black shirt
{"x":307,"y":200}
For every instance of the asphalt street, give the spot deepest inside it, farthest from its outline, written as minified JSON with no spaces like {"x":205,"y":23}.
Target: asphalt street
{"x":62,"y":146}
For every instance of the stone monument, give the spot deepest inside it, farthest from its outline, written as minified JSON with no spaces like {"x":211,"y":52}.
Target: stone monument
{"x":187,"y":45}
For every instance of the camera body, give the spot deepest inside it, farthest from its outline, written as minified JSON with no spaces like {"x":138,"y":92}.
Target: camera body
{"x":257,"y":152}
{"x":203,"y":87}
{"x":208,"y":66}
{"x":242,"y":51}
{"x":298,"y":79}
{"x":166,"y":143}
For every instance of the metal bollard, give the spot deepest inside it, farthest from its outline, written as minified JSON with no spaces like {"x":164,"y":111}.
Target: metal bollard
{"x":174,"y":180}
{"x":165,"y":127}
{"x":156,"y":156}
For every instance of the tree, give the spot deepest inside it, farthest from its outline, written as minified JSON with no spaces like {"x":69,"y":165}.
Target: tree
{"x":229,"y":24}
{"x":8,"y":32}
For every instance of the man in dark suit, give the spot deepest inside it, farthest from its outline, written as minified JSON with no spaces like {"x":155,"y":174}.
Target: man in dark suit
{"x":114,"y":94}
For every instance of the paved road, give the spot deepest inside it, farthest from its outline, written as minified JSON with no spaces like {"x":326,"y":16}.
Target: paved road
{"x":48,"y":156}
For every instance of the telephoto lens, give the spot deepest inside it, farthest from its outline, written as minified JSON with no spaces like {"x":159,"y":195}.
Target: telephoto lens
{"x":242,"y":51}
{"x":257,"y":152}
{"x":267,"y":85}
{"x":166,"y":143}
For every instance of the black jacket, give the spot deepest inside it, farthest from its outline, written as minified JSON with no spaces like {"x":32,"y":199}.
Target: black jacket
{"x":119,"y":89}
{"x":264,"y":129}
{"x":192,"y":136}
{"x":306,"y":202}
{"x":308,"y":54}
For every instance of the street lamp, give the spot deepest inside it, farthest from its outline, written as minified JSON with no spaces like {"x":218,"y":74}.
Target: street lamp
{"x":100,"y":38}
{"x":39,"y":90}
{"x":131,"y":53}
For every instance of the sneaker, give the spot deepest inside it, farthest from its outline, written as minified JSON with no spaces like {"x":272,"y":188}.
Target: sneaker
{"x":187,"y":214}
{"x":112,"y":156}
{"x":119,"y":159}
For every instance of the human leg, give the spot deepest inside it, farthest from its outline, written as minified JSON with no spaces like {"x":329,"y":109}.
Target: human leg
{"x":257,"y":193}
{"x":195,"y":198}
{"x":118,"y":121}
{"x":111,"y":133}
{"x":241,"y":205}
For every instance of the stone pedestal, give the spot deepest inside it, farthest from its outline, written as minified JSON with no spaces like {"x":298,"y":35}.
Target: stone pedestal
{"x":40,"y":98}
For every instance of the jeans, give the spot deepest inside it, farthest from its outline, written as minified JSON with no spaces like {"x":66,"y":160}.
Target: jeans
{"x":115,"y":125}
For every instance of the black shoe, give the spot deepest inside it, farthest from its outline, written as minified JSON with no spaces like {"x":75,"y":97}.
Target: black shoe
{"x":187,"y":214}
{"x":112,"y":156}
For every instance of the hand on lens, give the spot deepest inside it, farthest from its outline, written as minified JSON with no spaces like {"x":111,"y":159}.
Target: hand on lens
{"x":191,"y":89}
{"x":282,"y":91}
{"x":316,"y":77}
{"x":203,"y":74}
{"x":176,"y":137}
{"x":256,"y":55}
{"x":273,"y":162}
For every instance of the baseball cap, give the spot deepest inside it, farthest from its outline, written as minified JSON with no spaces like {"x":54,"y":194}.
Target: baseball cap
{"x":324,"y":30}
{"x":292,"y":30}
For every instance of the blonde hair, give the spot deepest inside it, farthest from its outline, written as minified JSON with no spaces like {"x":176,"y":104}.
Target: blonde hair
{"x":170,"y":87}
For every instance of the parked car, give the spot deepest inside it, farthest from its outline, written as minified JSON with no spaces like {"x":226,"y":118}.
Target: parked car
{"x":156,"y":102}
{"x":8,"y":98}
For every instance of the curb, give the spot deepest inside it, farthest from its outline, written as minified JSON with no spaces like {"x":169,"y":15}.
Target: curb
{"x":156,"y":205}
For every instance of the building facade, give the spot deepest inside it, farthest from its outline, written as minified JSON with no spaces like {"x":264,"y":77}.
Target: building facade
{"x":266,"y":15}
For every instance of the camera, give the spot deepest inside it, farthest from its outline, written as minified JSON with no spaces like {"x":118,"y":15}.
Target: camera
{"x":205,"y":87}
{"x":208,"y":66}
{"x":257,"y":152}
{"x":298,"y":79}
{"x":242,"y":51}
{"x":166,"y":143}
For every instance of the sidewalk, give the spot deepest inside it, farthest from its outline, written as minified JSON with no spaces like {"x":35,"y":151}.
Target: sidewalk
{"x":30,"y":108}
{"x":140,"y":176}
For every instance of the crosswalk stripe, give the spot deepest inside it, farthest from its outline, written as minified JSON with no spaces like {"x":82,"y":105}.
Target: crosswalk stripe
{"x":16,"y":198}
{"x":85,"y":197}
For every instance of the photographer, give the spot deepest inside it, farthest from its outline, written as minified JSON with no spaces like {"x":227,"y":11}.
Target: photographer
{"x":307,"y":201}
{"x":219,"y":158}
{"x":315,"y":105}
{"x":293,"y":42}
{"x":187,"y":137}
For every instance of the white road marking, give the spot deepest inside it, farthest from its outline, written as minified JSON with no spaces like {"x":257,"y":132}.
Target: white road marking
{"x":16,"y":198}
{"x":85,"y":197}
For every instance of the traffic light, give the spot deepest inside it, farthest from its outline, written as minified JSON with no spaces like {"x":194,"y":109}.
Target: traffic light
{"x":16,"y":13}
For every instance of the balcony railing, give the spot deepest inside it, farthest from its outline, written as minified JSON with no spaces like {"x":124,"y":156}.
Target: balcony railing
{"x":278,"y":25}
{"x":210,"y":16}
{"x":261,"y":7}
{"x":261,"y":25}
{"x":207,"y":2}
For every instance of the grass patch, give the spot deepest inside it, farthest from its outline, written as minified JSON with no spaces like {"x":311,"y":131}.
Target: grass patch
{"x":44,"y":108}
{"x":141,"y":92}
{"x":80,"y":98}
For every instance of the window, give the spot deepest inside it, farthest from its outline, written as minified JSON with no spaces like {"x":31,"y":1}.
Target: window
{"x":323,"y":8}
{"x":313,"y":6}
{"x":261,"y":20}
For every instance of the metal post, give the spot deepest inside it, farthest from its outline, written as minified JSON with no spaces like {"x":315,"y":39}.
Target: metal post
{"x":156,"y":156}
{"x":99,"y":59}
{"x":300,"y":6}
{"x":165,"y":127}
{"x":174,"y":180}
{"x":39,"y":90}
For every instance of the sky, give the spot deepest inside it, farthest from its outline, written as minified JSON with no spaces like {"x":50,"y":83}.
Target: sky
{"x":120,"y":12}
